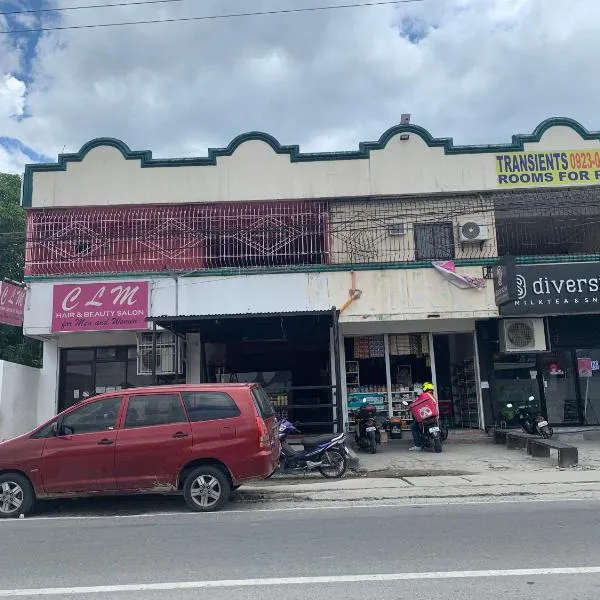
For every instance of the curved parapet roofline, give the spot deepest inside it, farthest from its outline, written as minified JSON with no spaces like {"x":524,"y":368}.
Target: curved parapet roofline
{"x":293,"y":151}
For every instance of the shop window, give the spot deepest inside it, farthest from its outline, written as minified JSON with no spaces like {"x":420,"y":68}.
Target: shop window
{"x":588,"y":367}
{"x":92,"y":418}
{"x":210,"y":406}
{"x":434,"y":241}
{"x":79,"y":354}
{"x":153,"y":409}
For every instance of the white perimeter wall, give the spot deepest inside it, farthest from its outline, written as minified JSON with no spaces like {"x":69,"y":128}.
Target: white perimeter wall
{"x":19,"y":387}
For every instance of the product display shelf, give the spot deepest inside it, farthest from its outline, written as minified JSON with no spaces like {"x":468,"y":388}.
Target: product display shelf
{"x":464,"y":392}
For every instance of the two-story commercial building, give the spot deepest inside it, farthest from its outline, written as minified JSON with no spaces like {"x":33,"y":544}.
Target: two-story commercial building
{"x":326,"y":277}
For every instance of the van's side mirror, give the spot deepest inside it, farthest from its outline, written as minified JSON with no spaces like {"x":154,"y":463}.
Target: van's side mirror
{"x":54,"y":428}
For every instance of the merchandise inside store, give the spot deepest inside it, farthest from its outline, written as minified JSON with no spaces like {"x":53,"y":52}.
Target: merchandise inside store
{"x":385,"y":370}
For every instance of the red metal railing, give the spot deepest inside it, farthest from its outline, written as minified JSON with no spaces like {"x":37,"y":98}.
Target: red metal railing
{"x":182,"y":237}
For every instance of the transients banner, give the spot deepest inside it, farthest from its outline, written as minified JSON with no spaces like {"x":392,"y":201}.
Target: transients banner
{"x":560,"y":168}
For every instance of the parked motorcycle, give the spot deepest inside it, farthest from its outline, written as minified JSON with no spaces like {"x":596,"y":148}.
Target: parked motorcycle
{"x":324,"y":453}
{"x":433,"y":433}
{"x":530,"y":423}
{"x":366,"y":434}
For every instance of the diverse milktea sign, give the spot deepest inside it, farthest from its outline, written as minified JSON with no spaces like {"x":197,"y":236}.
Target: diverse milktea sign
{"x":561,"y":168}
{"x":12,"y":303}
{"x":100,"y":306}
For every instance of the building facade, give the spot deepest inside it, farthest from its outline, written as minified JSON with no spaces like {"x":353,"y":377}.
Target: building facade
{"x":326,"y":277}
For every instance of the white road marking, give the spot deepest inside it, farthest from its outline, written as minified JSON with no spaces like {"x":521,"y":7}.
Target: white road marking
{"x":285,"y":581}
{"x":439,"y":502}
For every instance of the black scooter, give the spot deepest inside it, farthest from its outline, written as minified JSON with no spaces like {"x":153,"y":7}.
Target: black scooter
{"x":530,"y":423}
{"x":366,"y":433}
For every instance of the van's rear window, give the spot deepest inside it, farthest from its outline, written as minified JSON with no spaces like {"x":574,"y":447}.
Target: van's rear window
{"x":263,"y":403}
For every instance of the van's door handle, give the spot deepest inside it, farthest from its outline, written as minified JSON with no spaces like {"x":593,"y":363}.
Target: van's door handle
{"x":180,"y":434}
{"x":105,"y":442}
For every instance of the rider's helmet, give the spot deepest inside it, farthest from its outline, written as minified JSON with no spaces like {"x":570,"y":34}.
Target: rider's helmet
{"x":427,"y":387}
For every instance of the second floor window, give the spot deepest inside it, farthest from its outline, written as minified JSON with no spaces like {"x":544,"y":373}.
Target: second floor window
{"x":434,"y":241}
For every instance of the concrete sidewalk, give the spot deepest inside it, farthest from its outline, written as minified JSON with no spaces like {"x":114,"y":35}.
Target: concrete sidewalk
{"x":470,"y":467}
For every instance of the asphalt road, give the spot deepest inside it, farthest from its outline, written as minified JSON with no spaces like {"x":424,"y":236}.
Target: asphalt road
{"x":460,"y":552}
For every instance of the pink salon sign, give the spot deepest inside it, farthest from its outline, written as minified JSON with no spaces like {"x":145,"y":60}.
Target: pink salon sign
{"x":12,"y":303}
{"x":100,"y":306}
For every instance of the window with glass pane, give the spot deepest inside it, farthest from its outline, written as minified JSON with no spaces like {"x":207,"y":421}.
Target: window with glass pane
{"x":148,"y":410}
{"x":91,"y":418}
{"x":210,"y":406}
{"x":434,"y":241}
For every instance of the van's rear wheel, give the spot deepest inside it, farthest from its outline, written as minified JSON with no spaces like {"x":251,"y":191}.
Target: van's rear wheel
{"x":16,"y":495}
{"x":206,"y":489}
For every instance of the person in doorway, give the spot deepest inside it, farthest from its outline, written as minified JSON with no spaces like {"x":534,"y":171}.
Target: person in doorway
{"x":415,"y":426}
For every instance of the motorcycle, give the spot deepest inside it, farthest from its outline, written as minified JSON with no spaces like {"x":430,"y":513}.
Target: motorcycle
{"x":433,"y":433}
{"x":324,"y":453}
{"x":366,"y":434}
{"x":530,"y":423}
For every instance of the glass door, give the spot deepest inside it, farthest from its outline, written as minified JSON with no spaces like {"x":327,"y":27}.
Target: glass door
{"x":559,"y":386}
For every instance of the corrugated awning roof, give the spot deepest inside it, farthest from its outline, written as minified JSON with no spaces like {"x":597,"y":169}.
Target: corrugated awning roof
{"x":196,"y":323}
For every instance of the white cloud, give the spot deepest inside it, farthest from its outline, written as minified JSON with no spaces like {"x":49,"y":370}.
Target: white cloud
{"x":12,"y":161}
{"x":477,"y":71}
{"x":12,"y":97}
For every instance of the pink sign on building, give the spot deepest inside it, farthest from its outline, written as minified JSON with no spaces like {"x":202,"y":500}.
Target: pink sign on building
{"x":12,"y":303}
{"x":100,"y":306}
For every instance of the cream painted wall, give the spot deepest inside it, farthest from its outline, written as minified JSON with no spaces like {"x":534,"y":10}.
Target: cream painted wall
{"x":387,"y":295}
{"x":255,"y":172}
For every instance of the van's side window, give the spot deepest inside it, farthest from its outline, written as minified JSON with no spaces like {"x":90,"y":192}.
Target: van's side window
{"x":210,"y":406}
{"x":153,"y":409}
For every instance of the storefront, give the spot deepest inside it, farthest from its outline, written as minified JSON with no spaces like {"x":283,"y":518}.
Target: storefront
{"x":386,"y":369}
{"x":289,"y":355}
{"x":547,"y":345}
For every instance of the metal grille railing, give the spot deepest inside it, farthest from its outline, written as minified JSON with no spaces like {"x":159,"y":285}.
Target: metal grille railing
{"x":181,"y":237}
{"x":284,"y":234}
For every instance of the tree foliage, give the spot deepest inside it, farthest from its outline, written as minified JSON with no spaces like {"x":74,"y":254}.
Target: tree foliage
{"x":14,"y":346}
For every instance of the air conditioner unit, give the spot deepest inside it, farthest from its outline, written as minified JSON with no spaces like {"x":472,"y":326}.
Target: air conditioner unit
{"x":168,"y":354}
{"x":472,"y":231}
{"x":522,"y":335}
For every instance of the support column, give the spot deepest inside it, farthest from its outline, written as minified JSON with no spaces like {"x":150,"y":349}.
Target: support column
{"x":47,"y":397}
{"x":194,"y":358}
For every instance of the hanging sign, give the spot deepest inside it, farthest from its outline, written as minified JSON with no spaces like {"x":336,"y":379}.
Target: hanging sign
{"x":12,"y":303}
{"x":554,"y":289}
{"x":100,"y":306}
{"x":565,"y":168}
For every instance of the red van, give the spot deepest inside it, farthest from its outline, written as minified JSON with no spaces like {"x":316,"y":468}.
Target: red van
{"x":204,"y":440}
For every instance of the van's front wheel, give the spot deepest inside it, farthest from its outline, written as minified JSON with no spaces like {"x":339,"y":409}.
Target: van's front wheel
{"x":206,"y":489}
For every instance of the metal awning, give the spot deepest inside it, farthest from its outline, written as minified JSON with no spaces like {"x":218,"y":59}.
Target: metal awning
{"x":183,"y":324}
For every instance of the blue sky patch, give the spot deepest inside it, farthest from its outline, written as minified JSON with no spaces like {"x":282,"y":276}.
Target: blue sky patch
{"x":14,"y":145}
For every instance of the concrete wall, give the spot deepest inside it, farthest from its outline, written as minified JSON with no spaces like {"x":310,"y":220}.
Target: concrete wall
{"x":19,"y":388}
{"x":255,"y":171}
{"x":387,"y":295}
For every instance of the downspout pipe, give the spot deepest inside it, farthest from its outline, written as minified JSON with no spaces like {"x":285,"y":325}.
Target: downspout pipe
{"x":355,"y":294}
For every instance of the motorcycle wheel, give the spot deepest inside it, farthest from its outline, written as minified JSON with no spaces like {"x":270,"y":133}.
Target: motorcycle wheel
{"x":372,"y":442}
{"x":437,"y":444}
{"x":337,"y":466}
{"x":547,"y":431}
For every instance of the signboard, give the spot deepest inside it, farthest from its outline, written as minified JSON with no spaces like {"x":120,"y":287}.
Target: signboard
{"x":505,"y":281}
{"x":12,"y":303}
{"x":356,"y":400}
{"x":538,"y":169}
{"x":100,"y":306}
{"x":584,"y":366}
{"x":555,"y":289}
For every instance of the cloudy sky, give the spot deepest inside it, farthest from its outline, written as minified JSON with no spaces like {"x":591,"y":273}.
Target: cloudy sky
{"x":474,"y":70}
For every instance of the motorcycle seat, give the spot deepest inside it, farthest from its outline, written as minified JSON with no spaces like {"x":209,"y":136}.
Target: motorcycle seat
{"x":317,"y":440}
